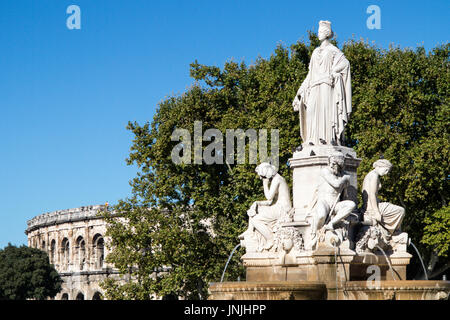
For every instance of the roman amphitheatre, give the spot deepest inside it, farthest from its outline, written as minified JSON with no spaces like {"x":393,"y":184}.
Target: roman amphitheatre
{"x":74,"y":240}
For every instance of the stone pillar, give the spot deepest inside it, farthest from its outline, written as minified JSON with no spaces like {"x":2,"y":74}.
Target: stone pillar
{"x":58,"y":250}
{"x":87,"y":252}
{"x":47,"y":243}
{"x":332,"y":266}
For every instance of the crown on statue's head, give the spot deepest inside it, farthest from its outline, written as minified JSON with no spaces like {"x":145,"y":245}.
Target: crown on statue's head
{"x":325,"y":24}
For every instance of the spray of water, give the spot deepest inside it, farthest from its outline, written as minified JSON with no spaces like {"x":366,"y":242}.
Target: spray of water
{"x":388,"y":261}
{"x":228,"y":261}
{"x":421,"y":261}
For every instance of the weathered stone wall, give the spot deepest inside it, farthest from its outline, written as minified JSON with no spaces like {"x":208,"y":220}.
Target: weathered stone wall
{"x":76,"y":244}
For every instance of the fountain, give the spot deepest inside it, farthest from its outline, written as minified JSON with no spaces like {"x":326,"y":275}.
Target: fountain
{"x":292,"y":247}
{"x":296,"y":264}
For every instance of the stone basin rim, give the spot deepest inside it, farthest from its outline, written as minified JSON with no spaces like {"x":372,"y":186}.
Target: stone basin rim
{"x":399,"y":284}
{"x":314,"y":285}
{"x":268,"y":285}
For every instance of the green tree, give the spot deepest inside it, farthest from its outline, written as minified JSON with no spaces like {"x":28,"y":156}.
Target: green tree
{"x":182,"y":221}
{"x":25,"y":273}
{"x":403,"y":103}
{"x":437,"y":236}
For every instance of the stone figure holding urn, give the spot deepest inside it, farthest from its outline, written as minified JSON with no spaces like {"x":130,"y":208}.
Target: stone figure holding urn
{"x":324,"y":100}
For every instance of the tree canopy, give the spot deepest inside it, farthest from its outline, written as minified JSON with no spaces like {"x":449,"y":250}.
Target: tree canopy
{"x":25,"y":273}
{"x":182,"y":220}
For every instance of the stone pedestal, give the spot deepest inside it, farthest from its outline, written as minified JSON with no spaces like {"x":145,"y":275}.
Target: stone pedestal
{"x":319,"y":265}
{"x":326,"y":264}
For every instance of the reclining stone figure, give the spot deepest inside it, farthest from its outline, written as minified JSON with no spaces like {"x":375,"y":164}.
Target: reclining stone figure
{"x":331,"y":194}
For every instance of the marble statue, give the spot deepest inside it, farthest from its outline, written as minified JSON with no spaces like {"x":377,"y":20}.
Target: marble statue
{"x":264,"y":215}
{"x":302,"y":240}
{"x":324,"y":100}
{"x":386,"y":214}
{"x":329,"y":206}
{"x":382,"y":219}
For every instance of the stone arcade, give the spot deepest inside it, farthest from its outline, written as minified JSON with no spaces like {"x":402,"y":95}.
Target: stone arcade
{"x":324,"y":245}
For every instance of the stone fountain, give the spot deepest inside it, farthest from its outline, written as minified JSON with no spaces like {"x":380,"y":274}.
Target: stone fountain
{"x":322,"y":245}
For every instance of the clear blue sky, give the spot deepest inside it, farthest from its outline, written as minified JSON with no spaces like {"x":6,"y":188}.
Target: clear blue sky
{"x":67,"y":95}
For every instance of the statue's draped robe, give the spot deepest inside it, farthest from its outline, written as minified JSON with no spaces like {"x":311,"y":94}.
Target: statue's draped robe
{"x":267,"y":217}
{"x":391,"y":214}
{"x":324,"y":105}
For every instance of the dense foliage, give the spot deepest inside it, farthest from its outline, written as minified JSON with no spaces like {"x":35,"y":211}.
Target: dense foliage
{"x":400,"y":111}
{"x":25,"y":273}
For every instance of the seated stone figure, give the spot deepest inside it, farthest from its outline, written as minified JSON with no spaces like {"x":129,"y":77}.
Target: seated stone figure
{"x":330,"y":193}
{"x":263,"y":215}
{"x":382,"y":219}
{"x":386,"y":214}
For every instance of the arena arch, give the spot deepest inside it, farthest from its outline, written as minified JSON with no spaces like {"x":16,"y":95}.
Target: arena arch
{"x":97,"y":296}
{"x":99,"y":250}
{"x":80,"y":250}
{"x":65,"y":253}
{"x":80,"y":296}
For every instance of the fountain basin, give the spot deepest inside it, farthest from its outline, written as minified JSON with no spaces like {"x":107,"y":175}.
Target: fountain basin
{"x":270,"y":290}
{"x":314,"y":290}
{"x":393,"y":290}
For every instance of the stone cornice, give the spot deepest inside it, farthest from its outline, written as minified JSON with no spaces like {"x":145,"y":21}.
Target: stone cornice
{"x":321,"y":160}
{"x":64,"y":216}
{"x":318,"y":155}
{"x":88,"y":272}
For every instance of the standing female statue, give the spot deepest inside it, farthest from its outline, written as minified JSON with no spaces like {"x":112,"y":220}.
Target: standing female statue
{"x":385,"y":214}
{"x":324,"y":100}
